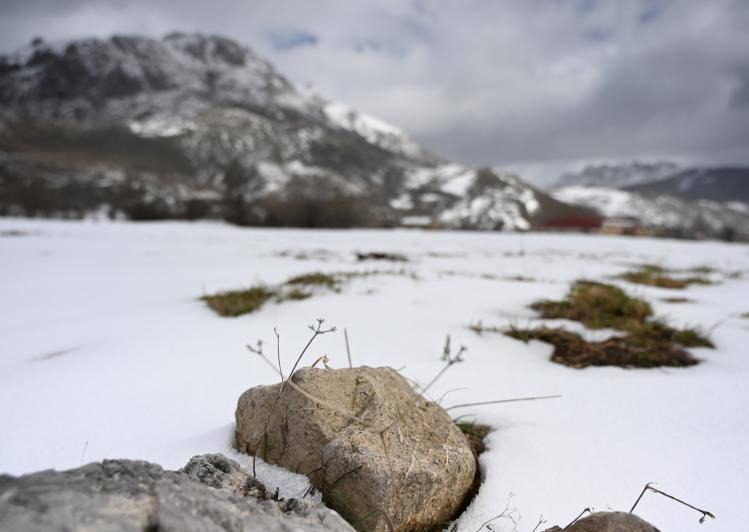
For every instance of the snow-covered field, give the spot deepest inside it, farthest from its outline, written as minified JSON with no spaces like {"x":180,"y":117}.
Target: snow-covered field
{"x":108,"y":352}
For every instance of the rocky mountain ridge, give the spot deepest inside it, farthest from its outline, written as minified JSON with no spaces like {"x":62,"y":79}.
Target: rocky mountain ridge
{"x":688,"y":202}
{"x":617,"y":175}
{"x":192,"y":126}
{"x":721,"y":184}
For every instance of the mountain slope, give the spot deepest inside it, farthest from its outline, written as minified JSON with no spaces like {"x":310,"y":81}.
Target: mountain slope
{"x":617,"y":175}
{"x":717,"y":184}
{"x":665,"y":214}
{"x":194,"y":126}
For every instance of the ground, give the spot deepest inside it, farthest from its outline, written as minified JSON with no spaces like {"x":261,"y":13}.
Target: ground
{"x":109,"y":352}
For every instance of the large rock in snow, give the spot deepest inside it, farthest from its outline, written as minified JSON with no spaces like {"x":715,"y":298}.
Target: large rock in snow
{"x":211,"y":493}
{"x":382,"y":456}
{"x":608,"y":522}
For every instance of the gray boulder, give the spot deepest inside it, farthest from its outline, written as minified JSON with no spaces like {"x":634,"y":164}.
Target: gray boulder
{"x":381,"y":455}
{"x":211,"y":493}
{"x":608,"y":522}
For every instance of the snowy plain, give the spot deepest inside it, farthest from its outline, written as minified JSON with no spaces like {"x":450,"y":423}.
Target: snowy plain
{"x":107,"y":352}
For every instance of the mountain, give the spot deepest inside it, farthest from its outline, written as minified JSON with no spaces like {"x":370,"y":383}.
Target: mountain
{"x":666,"y":215}
{"x":617,"y":175}
{"x":192,"y":126}
{"x":665,"y":198}
{"x":726,"y":184}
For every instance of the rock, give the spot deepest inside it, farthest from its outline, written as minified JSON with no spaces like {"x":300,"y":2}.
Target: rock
{"x":609,"y":522}
{"x":381,"y":455}
{"x":211,"y":493}
{"x":218,"y":471}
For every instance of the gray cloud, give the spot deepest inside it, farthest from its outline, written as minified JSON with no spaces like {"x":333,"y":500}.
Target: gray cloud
{"x":508,"y":82}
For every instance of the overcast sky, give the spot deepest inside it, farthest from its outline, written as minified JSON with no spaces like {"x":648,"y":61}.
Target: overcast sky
{"x":535,"y":85}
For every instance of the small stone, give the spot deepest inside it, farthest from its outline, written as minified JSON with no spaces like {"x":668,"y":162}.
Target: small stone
{"x":608,"y":522}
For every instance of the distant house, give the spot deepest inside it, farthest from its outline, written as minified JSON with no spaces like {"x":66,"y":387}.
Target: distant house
{"x":418,"y":222}
{"x":573,"y":222}
{"x":624,"y":225}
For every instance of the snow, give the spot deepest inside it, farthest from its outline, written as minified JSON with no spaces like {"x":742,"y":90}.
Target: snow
{"x":373,"y":129}
{"x":459,"y":183}
{"x":161,"y":127}
{"x":610,"y":202}
{"x":108,"y":353}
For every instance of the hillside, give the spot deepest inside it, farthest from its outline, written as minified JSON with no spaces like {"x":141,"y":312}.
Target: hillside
{"x":674,"y":201}
{"x":724,"y":184}
{"x":194,"y":126}
{"x":617,"y":175}
{"x":665,"y":214}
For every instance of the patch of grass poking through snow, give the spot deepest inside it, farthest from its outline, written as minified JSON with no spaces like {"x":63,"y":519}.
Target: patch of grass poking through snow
{"x":629,"y":351}
{"x":234,"y":303}
{"x":649,"y":341}
{"x":479,"y":328}
{"x":475,"y":434}
{"x":659,"y":277}
{"x":677,"y":300}
{"x":598,"y":306}
{"x":381,"y":255}
{"x":658,"y":330}
{"x":314,"y":279}
{"x":237,"y":302}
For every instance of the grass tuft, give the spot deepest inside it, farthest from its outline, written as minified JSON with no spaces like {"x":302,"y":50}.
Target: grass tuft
{"x":633,"y":350}
{"x":295,"y":294}
{"x":648,"y":342}
{"x":314,"y":279}
{"x":658,"y":330}
{"x":238,"y":302}
{"x":677,"y":300}
{"x":596,"y":305}
{"x":381,"y":255}
{"x":475,"y":434}
{"x":659,"y":277}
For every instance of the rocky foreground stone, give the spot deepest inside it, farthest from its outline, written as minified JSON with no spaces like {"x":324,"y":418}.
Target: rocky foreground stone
{"x":211,"y":493}
{"x":608,"y":522}
{"x":382,"y":455}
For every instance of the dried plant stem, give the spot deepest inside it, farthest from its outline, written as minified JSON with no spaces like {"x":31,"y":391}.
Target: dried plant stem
{"x":436,"y":377}
{"x":650,"y":487}
{"x":507,"y":513}
{"x":317,"y":330}
{"x":348,"y":349}
{"x":541,"y":521}
{"x":450,"y":360}
{"x":278,"y":352}
{"x":498,"y":401}
{"x":317,"y":400}
{"x":449,"y":392}
{"x":575,"y":520}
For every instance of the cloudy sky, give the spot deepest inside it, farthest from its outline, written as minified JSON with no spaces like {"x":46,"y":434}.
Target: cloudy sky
{"x":534,"y":85}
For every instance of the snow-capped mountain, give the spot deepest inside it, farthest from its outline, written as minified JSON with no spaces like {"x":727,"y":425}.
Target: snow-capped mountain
{"x":662,"y":196}
{"x":726,"y":184}
{"x":192,"y":125}
{"x":617,"y":175}
{"x":665,"y":213}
